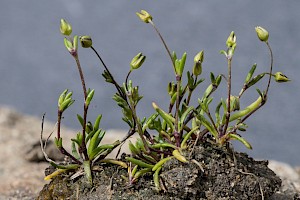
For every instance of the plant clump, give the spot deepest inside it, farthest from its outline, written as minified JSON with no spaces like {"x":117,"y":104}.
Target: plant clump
{"x":183,"y":151}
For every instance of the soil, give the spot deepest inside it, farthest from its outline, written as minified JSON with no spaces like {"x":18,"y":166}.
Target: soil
{"x":22,"y":172}
{"x":226,"y":175}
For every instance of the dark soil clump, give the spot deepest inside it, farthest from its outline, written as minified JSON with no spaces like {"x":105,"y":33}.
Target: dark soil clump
{"x":212,"y":173}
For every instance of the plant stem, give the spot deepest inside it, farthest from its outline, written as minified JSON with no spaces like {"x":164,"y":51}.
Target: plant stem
{"x":267,"y":89}
{"x":138,"y":124}
{"x":271,"y":67}
{"x":113,"y":80}
{"x":82,"y":148}
{"x":81,"y":76}
{"x":163,"y":41}
{"x":229,"y":94}
{"x":177,"y":131}
{"x":126,"y":80}
{"x":62,"y":149}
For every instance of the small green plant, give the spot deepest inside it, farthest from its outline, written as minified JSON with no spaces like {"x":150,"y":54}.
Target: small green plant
{"x":179,"y":127}
{"x":86,"y":147}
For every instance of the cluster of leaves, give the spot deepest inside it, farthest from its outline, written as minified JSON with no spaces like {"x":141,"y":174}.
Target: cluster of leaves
{"x":177,"y":129}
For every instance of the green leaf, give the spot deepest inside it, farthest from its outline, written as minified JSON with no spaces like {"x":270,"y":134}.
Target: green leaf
{"x":161,"y":162}
{"x":134,"y":151}
{"x":223,"y":52}
{"x":149,"y":121}
{"x":208,"y":125}
{"x":255,"y":79}
{"x":99,"y":150}
{"x":217,"y":113}
{"x":212,"y":78}
{"x":167,"y":117}
{"x":250,"y":73}
{"x":58,"y":142}
{"x":242,"y":140}
{"x":80,"y":119}
{"x":89,"y":97}
{"x":74,"y":151}
{"x":97,"y":122}
{"x":94,"y":142}
{"x":187,"y":136}
{"x":139,"y":162}
{"x":183,"y":116}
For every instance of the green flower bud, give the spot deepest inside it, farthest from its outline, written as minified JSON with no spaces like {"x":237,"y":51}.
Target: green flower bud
{"x":144,"y":16}
{"x":72,"y":46}
{"x":280,"y":77}
{"x":86,"y":41}
{"x":262,"y":33}
{"x":234,"y":103}
{"x":65,"y":27}
{"x":198,"y":59}
{"x":231,"y":40}
{"x":137,"y":61}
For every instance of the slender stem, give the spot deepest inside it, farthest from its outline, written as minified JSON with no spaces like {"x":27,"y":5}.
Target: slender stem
{"x":163,"y":41}
{"x":212,"y":120}
{"x":113,"y":80}
{"x":177,"y":133}
{"x":190,"y":92}
{"x":229,"y":94}
{"x":82,"y":147}
{"x":59,"y":114}
{"x":81,"y":76}
{"x":62,"y":149}
{"x":267,"y":89}
{"x":271,"y":66}
{"x":126,"y":80}
{"x":139,"y":127}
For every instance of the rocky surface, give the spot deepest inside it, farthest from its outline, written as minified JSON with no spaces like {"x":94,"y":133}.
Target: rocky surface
{"x":23,"y":179}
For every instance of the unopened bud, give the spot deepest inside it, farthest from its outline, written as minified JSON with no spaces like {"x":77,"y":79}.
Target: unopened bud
{"x":86,"y":41}
{"x":198,"y":59}
{"x":231,"y":40}
{"x":65,"y":27}
{"x":144,"y":16}
{"x":137,"y":61}
{"x":72,"y":46}
{"x":262,"y":33}
{"x":280,"y":77}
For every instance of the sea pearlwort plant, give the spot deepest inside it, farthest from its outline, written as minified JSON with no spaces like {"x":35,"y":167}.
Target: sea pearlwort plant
{"x":178,"y":128}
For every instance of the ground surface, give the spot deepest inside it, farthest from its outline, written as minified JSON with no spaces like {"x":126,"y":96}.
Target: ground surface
{"x":21,"y":179}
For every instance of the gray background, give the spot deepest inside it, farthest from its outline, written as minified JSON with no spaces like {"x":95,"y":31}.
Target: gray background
{"x":35,"y":66}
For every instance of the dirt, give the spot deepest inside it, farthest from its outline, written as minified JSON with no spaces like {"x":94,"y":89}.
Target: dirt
{"x":23,"y":180}
{"x":226,"y":175}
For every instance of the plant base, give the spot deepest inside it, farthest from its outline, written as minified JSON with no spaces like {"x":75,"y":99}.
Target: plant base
{"x":226,"y":175}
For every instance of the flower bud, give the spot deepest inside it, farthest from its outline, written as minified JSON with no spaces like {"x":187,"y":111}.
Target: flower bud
{"x":198,"y":59}
{"x":72,"y":46}
{"x":86,"y":41}
{"x":262,"y":33}
{"x":65,"y":27}
{"x":144,"y":16}
{"x":231,"y":40}
{"x":234,"y":103}
{"x":280,"y":77}
{"x":137,"y":61}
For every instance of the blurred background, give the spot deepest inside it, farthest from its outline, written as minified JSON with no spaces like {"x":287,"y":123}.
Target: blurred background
{"x":35,"y":66}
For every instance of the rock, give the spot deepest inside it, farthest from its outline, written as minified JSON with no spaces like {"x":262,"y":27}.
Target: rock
{"x":290,"y":188}
{"x":20,"y":134}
